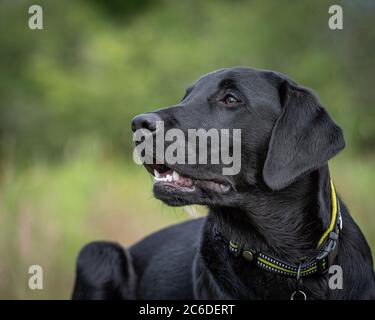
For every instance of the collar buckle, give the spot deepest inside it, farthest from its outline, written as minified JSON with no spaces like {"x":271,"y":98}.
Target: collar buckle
{"x":328,"y":253}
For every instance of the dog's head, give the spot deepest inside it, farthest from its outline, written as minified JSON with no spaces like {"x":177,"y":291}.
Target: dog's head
{"x":284,"y":134}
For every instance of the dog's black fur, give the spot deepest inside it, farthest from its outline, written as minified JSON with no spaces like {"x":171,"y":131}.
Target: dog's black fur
{"x":279,"y":203}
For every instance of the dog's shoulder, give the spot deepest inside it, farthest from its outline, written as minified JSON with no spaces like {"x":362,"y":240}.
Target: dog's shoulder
{"x":163,"y":261}
{"x":186,"y":232}
{"x":169,"y":241}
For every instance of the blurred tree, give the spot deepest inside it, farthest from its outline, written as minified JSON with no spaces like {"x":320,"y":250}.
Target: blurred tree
{"x":86,"y":75}
{"x":355,"y":51}
{"x":121,"y":8}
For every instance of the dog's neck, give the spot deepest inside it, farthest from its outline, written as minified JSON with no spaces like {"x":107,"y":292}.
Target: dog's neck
{"x":286,"y":224}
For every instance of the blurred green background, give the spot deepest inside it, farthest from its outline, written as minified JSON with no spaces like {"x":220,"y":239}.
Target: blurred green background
{"x":68,"y":92}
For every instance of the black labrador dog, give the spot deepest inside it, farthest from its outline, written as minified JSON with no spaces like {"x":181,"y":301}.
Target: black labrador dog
{"x":275,"y":230}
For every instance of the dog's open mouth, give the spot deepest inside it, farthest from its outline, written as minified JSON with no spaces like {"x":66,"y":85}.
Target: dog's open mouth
{"x":181,"y":182}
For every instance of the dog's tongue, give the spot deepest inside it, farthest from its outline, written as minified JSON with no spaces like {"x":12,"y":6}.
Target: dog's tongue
{"x":174,"y":177}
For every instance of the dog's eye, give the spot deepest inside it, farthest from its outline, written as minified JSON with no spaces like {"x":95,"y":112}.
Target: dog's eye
{"x":230,"y":99}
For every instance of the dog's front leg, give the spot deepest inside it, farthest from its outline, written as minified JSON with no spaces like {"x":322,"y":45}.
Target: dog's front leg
{"x":104,"y":271}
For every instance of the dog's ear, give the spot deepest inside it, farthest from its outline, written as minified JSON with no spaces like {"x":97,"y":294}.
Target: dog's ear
{"x":303,"y":139}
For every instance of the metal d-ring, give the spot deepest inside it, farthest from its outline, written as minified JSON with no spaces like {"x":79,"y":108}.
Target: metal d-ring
{"x":304,"y":297}
{"x":298,"y":285}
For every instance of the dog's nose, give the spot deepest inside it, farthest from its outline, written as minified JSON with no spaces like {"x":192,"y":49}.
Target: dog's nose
{"x":145,"y":121}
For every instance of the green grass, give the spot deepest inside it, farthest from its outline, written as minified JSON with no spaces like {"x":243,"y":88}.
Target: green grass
{"x":47,"y":213}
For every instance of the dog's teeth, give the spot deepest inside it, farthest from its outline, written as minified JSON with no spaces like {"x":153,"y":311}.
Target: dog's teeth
{"x":217,"y":187}
{"x":160,"y":178}
{"x":169,"y":178}
{"x":224,"y":188}
{"x":156,"y":173}
{"x":175,"y":176}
